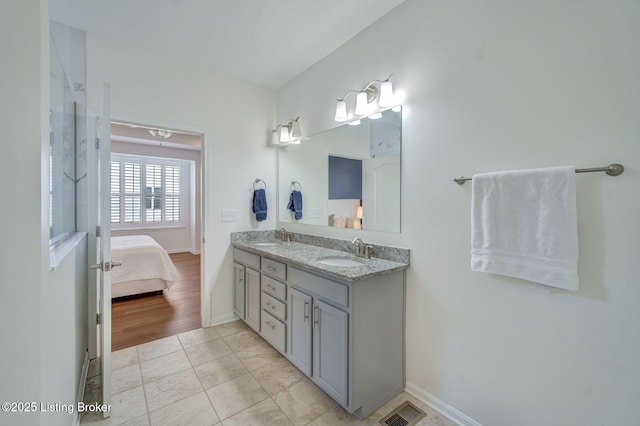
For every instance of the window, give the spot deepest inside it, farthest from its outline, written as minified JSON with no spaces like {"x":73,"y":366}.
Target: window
{"x":147,"y":191}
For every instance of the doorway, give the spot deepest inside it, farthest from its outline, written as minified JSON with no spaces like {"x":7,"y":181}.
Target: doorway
{"x":143,"y":151}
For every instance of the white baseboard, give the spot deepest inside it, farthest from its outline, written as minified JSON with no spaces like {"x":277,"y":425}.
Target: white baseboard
{"x":440,"y":406}
{"x":81,"y":386}
{"x":223,"y":319}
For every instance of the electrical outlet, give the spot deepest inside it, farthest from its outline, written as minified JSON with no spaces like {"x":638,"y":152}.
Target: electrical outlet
{"x":229,"y":215}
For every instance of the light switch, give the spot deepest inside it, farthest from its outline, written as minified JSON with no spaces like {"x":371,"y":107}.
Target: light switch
{"x":229,"y":215}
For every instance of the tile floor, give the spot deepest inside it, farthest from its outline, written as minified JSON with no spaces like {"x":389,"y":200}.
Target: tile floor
{"x":225,"y":375}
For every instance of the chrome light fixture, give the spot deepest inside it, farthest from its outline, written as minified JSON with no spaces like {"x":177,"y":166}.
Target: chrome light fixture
{"x":289,"y":132}
{"x":365,"y":98}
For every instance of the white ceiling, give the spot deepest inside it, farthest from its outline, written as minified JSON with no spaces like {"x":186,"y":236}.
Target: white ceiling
{"x":266,"y":42}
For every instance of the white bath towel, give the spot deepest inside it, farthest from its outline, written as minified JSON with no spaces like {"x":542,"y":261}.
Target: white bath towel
{"x":524,"y":225}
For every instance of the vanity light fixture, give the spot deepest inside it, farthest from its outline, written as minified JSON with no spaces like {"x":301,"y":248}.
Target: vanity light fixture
{"x":354,"y":123}
{"x":364,"y":99}
{"x":289,"y":132}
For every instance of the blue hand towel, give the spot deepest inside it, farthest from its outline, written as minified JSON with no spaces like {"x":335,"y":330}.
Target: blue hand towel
{"x":295,"y":203}
{"x":260,"y":204}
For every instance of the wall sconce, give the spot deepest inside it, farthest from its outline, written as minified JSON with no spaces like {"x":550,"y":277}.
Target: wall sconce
{"x":287,"y":133}
{"x":364,"y":99}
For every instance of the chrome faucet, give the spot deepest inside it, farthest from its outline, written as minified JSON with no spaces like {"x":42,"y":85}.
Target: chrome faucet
{"x":362,"y":249}
{"x":359,"y":246}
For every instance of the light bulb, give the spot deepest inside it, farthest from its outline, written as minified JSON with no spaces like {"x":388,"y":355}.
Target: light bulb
{"x":296,"y":132}
{"x":341,"y":111}
{"x":361,"y":103}
{"x":284,"y":134}
{"x":386,"y":94}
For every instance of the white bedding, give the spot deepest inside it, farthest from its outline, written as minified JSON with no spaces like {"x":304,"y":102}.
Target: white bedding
{"x":142,"y":259}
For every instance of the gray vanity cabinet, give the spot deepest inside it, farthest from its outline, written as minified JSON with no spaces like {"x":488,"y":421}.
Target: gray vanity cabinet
{"x":246,"y":288}
{"x":300,"y":324}
{"x":318,"y":343}
{"x":330,"y":350}
{"x":252,"y":307}
{"x":346,"y":336}
{"x":238,"y":290}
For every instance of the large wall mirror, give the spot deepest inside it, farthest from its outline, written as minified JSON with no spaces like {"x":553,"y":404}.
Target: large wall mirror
{"x":349,"y":176}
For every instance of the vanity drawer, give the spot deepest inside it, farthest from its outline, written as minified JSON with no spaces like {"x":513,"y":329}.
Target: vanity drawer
{"x":274,"y":306}
{"x":274,"y":331}
{"x":246,"y":258}
{"x":330,"y":290}
{"x":275,"y":268}
{"x":274,"y":288}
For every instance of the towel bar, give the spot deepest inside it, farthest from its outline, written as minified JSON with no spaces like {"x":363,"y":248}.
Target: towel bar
{"x":613,"y":169}
{"x":255,"y":182}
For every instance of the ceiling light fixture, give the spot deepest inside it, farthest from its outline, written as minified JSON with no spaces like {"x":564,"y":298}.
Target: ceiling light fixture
{"x":162,"y":133}
{"x":365,"y":99}
{"x":289,"y":132}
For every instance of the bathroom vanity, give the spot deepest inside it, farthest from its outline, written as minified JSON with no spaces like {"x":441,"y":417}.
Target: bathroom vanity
{"x":337,"y":317}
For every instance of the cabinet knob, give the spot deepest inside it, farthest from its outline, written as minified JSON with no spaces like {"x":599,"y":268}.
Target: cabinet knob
{"x":306,"y":315}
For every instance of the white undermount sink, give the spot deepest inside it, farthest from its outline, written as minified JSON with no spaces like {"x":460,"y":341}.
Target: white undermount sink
{"x":266,"y":244}
{"x":340,"y":261}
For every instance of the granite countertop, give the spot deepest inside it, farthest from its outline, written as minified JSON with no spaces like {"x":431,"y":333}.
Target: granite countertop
{"x":307,"y":256}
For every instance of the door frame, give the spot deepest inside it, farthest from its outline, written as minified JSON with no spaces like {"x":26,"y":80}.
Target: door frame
{"x":205,"y":210}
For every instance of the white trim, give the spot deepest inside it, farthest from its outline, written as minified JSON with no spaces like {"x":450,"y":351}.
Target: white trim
{"x":223,"y":319}
{"x":440,"y":406}
{"x":161,"y":144}
{"x":83,"y":383}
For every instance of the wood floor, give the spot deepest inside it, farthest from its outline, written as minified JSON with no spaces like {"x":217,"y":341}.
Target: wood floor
{"x":143,"y":319}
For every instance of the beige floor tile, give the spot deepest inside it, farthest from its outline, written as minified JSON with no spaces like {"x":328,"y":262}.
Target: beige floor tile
{"x":205,"y":352}
{"x":265,"y":413}
{"x":199,"y":335}
{"x":243,"y":340}
{"x":170,"y":389}
{"x":159,"y":347}
{"x":277,"y":376}
{"x":127,"y":406}
{"x":337,"y":416}
{"x":303,"y":402}
{"x":231,"y":327}
{"x":236,"y":395}
{"x":95,"y":419}
{"x":258,"y":356}
{"x":124,"y":358}
{"x":193,"y":411}
{"x":125,"y":378}
{"x":164,"y":365}
{"x":220,"y":370}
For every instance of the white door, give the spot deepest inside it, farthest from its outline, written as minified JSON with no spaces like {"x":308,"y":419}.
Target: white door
{"x":104,"y":246}
{"x":382,"y":194}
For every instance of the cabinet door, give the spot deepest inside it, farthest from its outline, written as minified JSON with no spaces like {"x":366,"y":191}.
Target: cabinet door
{"x":252,"y":308}
{"x":300,"y":330}
{"x":238,"y":290}
{"x":330,"y":350}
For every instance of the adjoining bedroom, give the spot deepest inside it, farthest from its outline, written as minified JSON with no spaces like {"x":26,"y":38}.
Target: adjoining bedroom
{"x":155,"y":224}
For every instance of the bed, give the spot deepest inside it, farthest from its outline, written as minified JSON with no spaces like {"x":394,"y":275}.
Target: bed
{"x":146,"y":266}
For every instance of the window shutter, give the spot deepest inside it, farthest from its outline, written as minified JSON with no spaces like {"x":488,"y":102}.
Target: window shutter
{"x":132,"y":185}
{"x":172,"y":194}
{"x":115,"y":192}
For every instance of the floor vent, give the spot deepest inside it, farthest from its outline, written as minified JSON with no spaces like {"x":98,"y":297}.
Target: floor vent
{"x":404,"y":415}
